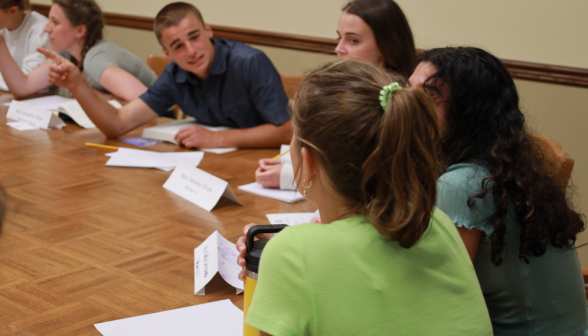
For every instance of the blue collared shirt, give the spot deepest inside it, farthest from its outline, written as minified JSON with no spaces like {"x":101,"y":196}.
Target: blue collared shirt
{"x":242,"y":90}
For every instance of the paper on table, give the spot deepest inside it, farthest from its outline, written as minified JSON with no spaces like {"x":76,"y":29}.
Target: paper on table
{"x":291,"y":219}
{"x":33,"y":115}
{"x":67,"y":106}
{"x":50,"y":103}
{"x":215,"y":318}
{"x":218,"y":150}
{"x":118,"y":161}
{"x":216,"y":254}
{"x":127,"y":157}
{"x":227,"y":264}
{"x":289,"y":196}
{"x":199,"y":187}
{"x":21,"y":126}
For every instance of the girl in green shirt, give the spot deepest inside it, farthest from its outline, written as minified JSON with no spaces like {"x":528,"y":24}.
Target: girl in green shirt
{"x":384,"y":261}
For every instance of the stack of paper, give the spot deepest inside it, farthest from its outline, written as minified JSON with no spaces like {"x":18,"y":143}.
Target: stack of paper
{"x":215,"y":318}
{"x":289,"y":196}
{"x":126,"y":157}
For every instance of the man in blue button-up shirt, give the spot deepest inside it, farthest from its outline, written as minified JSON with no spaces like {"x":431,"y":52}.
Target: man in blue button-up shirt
{"x":218,"y":82}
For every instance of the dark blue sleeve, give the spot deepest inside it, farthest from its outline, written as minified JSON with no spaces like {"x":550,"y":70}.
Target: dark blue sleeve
{"x":265,"y":89}
{"x":159,"y":96}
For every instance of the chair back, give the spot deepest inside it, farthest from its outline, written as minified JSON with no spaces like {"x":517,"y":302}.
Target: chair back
{"x":560,"y":162}
{"x":157,"y":63}
{"x":290,"y":83}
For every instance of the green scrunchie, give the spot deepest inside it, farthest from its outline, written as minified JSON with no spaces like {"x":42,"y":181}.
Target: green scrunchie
{"x":386,"y":92}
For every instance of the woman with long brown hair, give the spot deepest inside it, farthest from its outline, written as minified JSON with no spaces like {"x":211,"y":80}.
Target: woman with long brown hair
{"x":75,"y":31}
{"x":372,"y":31}
{"x":499,"y":190}
{"x":364,"y":151}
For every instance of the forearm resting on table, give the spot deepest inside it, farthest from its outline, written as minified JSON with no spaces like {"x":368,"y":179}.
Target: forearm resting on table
{"x":266,"y":135}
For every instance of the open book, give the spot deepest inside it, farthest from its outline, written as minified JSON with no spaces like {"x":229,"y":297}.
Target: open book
{"x":75,"y":113}
{"x":168,"y":131}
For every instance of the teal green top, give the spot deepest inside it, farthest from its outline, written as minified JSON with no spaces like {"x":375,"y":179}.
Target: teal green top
{"x":344,"y":278}
{"x":545,"y":297}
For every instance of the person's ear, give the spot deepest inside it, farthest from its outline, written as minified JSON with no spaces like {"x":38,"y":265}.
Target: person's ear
{"x":12,"y":11}
{"x":382,"y":61}
{"x":81,"y":31}
{"x":308,"y":165}
{"x":164,"y":49}
{"x":208,"y":30}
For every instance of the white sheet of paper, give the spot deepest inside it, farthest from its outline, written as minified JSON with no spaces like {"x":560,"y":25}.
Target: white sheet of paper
{"x":216,"y":254}
{"x":198,"y":186}
{"x":127,"y":157}
{"x":289,"y":196}
{"x":21,"y":126}
{"x":205,"y":263}
{"x":227,"y":263}
{"x":290,"y":219}
{"x":215,"y":318}
{"x":33,"y":116}
{"x":118,"y":161}
{"x":74,"y":110}
{"x":49,"y":103}
{"x":218,"y":150}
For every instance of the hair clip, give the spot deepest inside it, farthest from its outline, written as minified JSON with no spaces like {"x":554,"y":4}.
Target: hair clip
{"x":386,"y":92}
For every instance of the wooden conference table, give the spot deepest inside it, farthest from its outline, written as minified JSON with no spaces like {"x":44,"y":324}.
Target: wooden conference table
{"x":83,"y":243}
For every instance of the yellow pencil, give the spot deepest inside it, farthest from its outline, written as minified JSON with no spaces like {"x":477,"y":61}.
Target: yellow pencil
{"x":281,"y":154}
{"x":89,"y":144}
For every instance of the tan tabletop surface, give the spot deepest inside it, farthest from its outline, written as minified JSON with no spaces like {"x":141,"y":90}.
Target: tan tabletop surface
{"x":83,"y":243}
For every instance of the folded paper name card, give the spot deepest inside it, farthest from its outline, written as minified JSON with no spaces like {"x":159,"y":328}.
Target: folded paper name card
{"x":198,"y":186}
{"x":33,"y":116}
{"x":216,"y":254}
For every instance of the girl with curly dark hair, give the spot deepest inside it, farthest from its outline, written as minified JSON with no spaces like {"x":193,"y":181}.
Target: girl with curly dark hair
{"x":499,"y":190}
